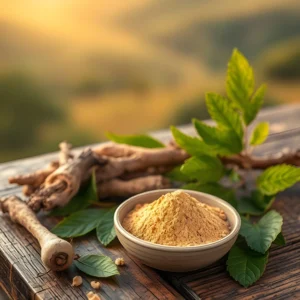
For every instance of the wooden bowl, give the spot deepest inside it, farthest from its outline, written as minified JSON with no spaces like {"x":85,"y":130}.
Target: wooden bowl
{"x":174,"y":258}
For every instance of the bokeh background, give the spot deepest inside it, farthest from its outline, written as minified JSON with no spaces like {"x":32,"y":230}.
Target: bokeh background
{"x":73,"y":70}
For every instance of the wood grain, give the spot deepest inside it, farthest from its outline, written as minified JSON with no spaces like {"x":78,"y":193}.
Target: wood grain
{"x":23,"y":276}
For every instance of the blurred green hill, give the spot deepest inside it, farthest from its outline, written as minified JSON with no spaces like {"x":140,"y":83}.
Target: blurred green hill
{"x":88,"y":67}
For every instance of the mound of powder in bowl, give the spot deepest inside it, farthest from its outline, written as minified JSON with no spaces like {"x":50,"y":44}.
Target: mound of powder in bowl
{"x":177,"y":219}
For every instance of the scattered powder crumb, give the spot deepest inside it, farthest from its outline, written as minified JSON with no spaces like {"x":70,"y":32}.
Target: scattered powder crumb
{"x":120,"y":261}
{"x":92,"y":296}
{"x":95,"y":285}
{"x":77,"y":281}
{"x":177,"y":219}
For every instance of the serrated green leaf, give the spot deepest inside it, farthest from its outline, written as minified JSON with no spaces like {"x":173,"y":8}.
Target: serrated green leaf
{"x":224,"y":114}
{"x":105,"y":229}
{"x":240,"y":81}
{"x":192,"y":145}
{"x":259,"y":134}
{"x":141,"y":140}
{"x":177,"y":175}
{"x":280,"y":240}
{"x":85,"y":197}
{"x":245,"y":265}
{"x":278,"y":178}
{"x":246,"y":206}
{"x":79,"y":223}
{"x":224,"y":141}
{"x":260,"y":236}
{"x":255,"y":104}
{"x":215,"y":189}
{"x":97,"y":265}
{"x":203,"y":168}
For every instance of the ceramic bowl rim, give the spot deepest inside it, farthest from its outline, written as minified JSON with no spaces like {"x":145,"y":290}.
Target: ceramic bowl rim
{"x":234,"y":232}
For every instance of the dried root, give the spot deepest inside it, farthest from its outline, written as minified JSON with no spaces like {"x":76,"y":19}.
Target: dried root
{"x":56,"y":254}
{"x":34,"y":180}
{"x":61,"y":185}
{"x":31,"y":182}
{"x":124,"y":159}
{"x":122,"y":188}
{"x":251,"y":162}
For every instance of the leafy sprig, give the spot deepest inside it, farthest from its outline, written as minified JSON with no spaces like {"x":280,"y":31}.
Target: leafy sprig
{"x":230,"y":136}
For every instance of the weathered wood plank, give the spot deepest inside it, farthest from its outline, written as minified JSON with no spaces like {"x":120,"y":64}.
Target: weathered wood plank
{"x":23,"y":276}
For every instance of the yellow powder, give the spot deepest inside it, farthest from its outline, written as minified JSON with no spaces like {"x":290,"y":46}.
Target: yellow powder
{"x":177,"y":219}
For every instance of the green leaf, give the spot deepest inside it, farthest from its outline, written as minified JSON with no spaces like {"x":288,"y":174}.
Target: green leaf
{"x":203,"y":168}
{"x":240,"y":81}
{"x":255,"y":104}
{"x":278,"y":178}
{"x":262,"y":201}
{"x":280,"y":240}
{"x":177,"y":175}
{"x":105,"y":229}
{"x":142,"y":140}
{"x":85,"y":197}
{"x":222,"y":112}
{"x":192,"y":145}
{"x":260,"y":236}
{"x":79,"y":223}
{"x":259,"y":134}
{"x":245,"y":265}
{"x":214,"y":189}
{"x":223,"y":141}
{"x":246,"y":206}
{"x":97,"y":265}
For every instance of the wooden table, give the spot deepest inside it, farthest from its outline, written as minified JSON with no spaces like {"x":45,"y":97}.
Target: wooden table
{"x":23,"y":276}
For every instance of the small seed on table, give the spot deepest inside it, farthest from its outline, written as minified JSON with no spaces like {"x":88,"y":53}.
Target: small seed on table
{"x":95,"y":285}
{"x":120,"y":261}
{"x":77,"y":281}
{"x":92,"y":296}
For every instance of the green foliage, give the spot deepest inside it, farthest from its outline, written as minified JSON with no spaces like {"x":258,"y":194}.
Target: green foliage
{"x":177,"y":175}
{"x":245,"y":265}
{"x":278,"y":178}
{"x":203,"y":168}
{"x":224,"y":141}
{"x":256,"y":103}
{"x":259,"y":134}
{"x":247,"y":207}
{"x":261,"y":235}
{"x":224,"y":114}
{"x":97,"y":265}
{"x":240,"y":81}
{"x":83,"y":199}
{"x":192,"y":145}
{"x":142,"y":140}
{"x":79,"y":223}
{"x":280,"y":240}
{"x":105,"y":229}
{"x":214,"y":189}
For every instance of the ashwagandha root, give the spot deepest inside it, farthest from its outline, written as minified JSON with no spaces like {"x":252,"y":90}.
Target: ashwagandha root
{"x":56,"y":254}
{"x":123,"y":159}
{"x":252,"y":162}
{"x":34,"y":180}
{"x":126,"y":188}
{"x":31,"y":182}
{"x":61,"y":185}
